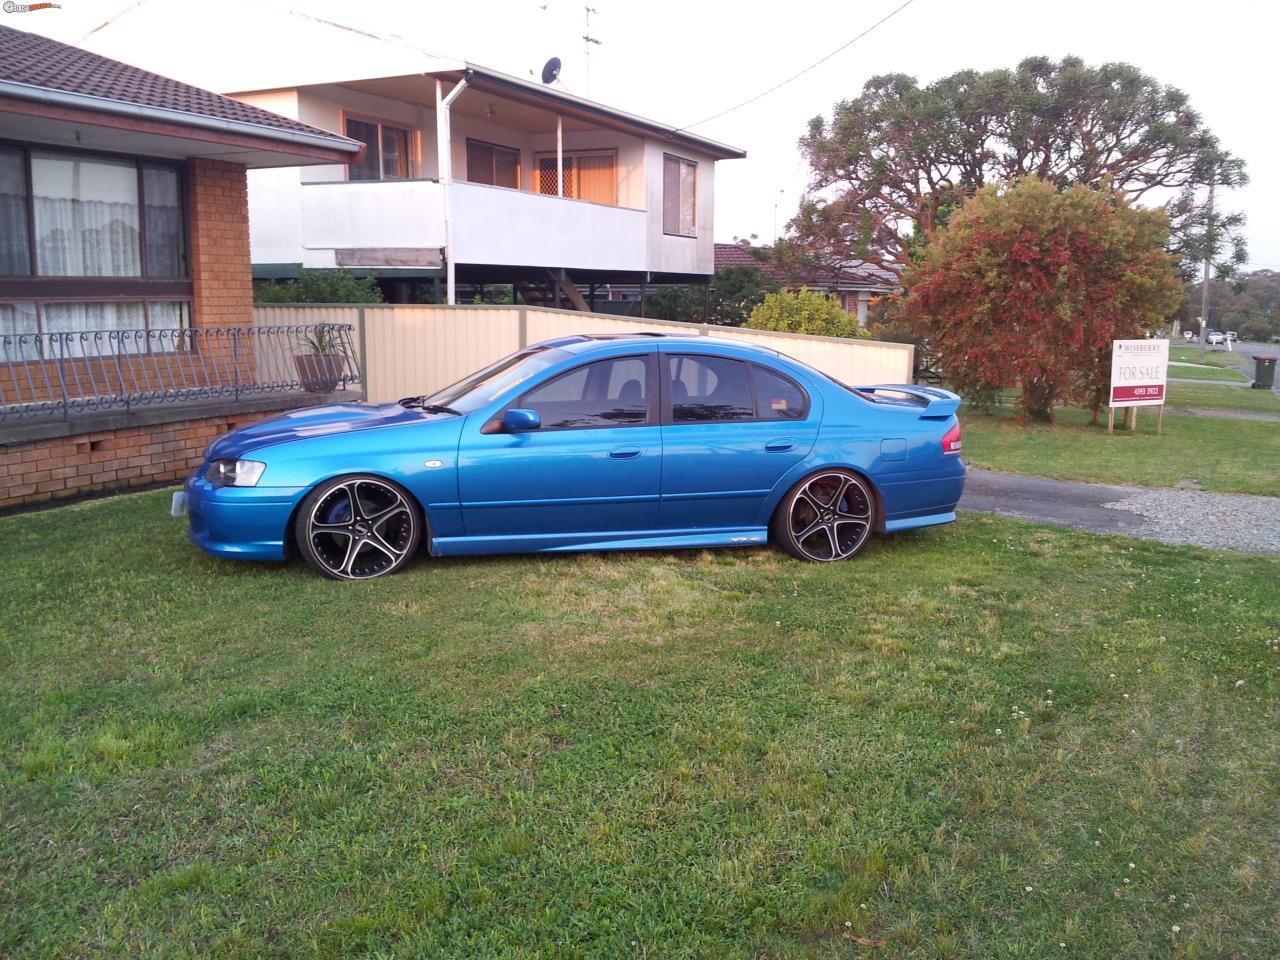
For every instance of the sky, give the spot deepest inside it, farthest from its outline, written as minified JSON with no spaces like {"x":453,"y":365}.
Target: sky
{"x":680,"y":61}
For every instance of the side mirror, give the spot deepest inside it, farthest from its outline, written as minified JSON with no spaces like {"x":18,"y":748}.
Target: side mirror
{"x":521,"y":421}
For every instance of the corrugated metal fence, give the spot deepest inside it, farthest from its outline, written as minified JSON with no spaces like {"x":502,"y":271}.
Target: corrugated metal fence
{"x":415,"y":349}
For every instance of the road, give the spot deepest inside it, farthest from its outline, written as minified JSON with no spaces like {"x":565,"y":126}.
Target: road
{"x":1242,"y":355}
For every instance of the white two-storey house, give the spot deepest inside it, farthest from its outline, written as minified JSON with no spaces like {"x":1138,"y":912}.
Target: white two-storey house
{"x":474,"y":177}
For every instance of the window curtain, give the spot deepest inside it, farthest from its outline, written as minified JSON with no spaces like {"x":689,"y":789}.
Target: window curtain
{"x":166,"y":237}
{"x":15,"y":243}
{"x":93,"y":324}
{"x":86,"y":217}
{"x":596,"y":180}
{"x":17,"y":319}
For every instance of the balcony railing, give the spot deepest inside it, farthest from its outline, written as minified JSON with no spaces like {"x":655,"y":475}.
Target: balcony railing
{"x":65,"y":375}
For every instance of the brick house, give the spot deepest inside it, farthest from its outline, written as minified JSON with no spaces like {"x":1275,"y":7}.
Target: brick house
{"x":126,"y":303}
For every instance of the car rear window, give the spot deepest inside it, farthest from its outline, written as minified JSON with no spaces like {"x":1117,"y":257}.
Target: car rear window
{"x":709,"y":389}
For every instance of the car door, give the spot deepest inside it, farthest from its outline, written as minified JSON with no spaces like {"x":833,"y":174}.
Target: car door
{"x":731,"y":429}
{"x":592,"y":466}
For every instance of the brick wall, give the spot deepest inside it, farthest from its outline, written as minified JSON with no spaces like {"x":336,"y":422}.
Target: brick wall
{"x":218,"y":211}
{"x":112,"y":460}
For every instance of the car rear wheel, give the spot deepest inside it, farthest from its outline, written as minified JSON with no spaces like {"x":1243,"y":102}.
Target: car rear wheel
{"x":358,"y":527}
{"x":827,"y":516}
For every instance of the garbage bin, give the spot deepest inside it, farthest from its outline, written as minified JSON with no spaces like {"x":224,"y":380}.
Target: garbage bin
{"x":1264,"y":372}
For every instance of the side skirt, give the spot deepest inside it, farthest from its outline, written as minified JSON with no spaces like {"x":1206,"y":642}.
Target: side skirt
{"x":604,"y":540}
{"x":911,"y":523}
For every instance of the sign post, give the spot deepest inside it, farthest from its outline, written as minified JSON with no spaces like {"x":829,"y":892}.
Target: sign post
{"x":1139,"y":371}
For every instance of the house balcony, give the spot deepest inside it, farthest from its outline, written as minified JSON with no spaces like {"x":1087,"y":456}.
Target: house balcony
{"x":369,"y":223}
{"x":401,"y":224}
{"x":497,"y":225}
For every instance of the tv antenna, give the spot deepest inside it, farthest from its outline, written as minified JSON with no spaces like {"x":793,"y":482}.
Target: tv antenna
{"x":587,"y":41}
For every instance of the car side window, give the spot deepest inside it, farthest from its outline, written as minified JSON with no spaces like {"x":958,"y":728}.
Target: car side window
{"x":777,"y":398}
{"x":709,"y":390}
{"x":607,"y":393}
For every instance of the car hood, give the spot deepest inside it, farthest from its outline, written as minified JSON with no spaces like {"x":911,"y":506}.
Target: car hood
{"x":308,"y":422}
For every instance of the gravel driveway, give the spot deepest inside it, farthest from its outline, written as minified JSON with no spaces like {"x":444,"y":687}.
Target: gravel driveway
{"x":1225,"y":521}
{"x":1230,"y":521}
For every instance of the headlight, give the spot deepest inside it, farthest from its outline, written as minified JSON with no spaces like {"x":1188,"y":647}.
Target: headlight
{"x":234,"y":473}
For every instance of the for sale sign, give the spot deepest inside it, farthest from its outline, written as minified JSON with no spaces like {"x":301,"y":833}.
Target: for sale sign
{"x":1139,"y":369}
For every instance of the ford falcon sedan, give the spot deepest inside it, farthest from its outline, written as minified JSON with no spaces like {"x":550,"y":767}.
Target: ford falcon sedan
{"x":586,"y":443}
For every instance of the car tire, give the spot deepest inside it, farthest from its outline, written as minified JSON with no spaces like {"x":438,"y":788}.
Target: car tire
{"x":827,"y":516}
{"x":358,"y":527}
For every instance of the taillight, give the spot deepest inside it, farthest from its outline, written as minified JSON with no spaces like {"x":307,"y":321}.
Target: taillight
{"x":951,"y":439}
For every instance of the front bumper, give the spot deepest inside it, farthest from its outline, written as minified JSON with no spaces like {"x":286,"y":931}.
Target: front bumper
{"x":239,"y":523}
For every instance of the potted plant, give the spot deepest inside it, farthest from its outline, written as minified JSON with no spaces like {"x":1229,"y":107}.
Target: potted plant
{"x":321,"y":370}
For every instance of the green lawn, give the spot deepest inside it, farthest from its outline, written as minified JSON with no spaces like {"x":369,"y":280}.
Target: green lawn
{"x":1237,"y":456}
{"x":1216,"y":396}
{"x":984,"y":740}
{"x":1202,"y":395}
{"x":1215,"y":358}
{"x":1207,"y":373}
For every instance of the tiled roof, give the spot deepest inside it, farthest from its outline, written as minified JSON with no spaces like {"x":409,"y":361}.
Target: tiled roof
{"x":857,"y":273}
{"x":37,"y":61}
{"x":736,"y":255}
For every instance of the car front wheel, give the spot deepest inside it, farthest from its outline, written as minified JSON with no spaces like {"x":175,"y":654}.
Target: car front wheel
{"x":826,"y":516}
{"x":358,"y":527}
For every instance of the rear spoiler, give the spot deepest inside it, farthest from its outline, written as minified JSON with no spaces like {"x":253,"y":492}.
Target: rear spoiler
{"x":937,"y":404}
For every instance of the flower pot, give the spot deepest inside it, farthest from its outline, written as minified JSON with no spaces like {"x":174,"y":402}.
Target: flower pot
{"x":320,"y":373}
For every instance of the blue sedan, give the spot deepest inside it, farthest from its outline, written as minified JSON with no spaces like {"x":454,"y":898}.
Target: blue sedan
{"x":586,"y":443}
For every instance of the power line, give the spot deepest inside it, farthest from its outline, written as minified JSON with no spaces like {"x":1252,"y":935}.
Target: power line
{"x":817,"y":63}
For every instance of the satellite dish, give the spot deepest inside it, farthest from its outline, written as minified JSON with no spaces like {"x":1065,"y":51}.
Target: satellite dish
{"x":551,"y":70}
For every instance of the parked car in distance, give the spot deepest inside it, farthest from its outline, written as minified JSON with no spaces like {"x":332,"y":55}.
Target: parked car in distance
{"x":1188,"y":334}
{"x":1215,"y":338}
{"x":1232,"y":336}
{"x":586,"y":443}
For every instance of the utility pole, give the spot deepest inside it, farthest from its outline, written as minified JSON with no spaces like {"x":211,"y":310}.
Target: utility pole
{"x":1210,"y":243}
{"x":588,"y":40}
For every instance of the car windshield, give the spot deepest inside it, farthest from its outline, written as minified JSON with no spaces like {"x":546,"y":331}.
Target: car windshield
{"x":473,"y":392}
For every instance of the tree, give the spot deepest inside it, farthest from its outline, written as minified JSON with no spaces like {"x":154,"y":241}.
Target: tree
{"x":676,"y":302}
{"x":1249,"y":305}
{"x":320,"y":286}
{"x":805,"y":311}
{"x":736,"y":291}
{"x":1028,"y":287}
{"x":891,"y":166}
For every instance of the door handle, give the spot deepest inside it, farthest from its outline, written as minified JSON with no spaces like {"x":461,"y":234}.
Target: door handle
{"x":779,"y":446}
{"x":624,"y":453}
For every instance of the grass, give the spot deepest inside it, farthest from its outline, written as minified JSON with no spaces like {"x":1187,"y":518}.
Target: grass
{"x":1218,"y":397}
{"x":1207,"y":373}
{"x":1212,"y":357}
{"x":989,"y":739}
{"x":1234,"y":456}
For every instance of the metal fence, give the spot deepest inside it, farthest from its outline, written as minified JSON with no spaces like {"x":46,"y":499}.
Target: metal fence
{"x":61,"y":375}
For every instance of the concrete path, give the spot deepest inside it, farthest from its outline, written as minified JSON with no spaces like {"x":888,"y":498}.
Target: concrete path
{"x":1216,"y":383}
{"x":1220,"y":520}
{"x":1217,"y":413}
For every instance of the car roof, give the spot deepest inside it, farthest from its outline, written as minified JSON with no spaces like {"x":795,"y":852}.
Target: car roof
{"x":588,"y":343}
